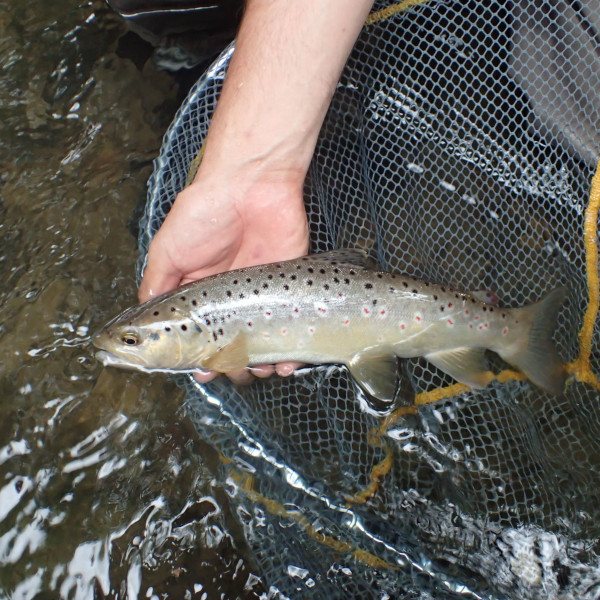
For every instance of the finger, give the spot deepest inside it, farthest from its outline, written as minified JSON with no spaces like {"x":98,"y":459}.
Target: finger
{"x":157,"y":279}
{"x":285,"y":369}
{"x":205,"y":376}
{"x":242,"y":377}
{"x":262,"y":371}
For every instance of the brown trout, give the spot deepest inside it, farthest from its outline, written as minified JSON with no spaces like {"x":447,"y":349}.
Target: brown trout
{"x":333,"y":308}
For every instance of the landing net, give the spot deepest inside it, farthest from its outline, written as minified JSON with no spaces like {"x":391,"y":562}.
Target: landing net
{"x":460,"y":147}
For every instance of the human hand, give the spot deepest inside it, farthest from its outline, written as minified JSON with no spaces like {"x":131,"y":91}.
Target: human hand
{"x":216,"y":226}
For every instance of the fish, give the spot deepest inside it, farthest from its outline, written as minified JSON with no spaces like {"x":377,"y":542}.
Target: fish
{"x":334,"y":307}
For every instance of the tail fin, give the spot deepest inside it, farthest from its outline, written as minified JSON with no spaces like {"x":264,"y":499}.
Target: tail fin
{"x":537,"y":356}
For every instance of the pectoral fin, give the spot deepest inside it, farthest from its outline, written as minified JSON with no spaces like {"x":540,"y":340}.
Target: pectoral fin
{"x":466,"y":365}
{"x":376,"y":374}
{"x":230,"y":357}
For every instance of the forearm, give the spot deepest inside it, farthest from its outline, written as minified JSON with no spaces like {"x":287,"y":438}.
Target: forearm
{"x":288,"y":59}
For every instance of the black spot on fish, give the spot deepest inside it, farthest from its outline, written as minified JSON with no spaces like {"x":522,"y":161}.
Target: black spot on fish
{"x":426,"y":284}
{"x":322,"y":271}
{"x":167,"y":329}
{"x":265,"y":286}
{"x":457,"y":296}
{"x":249,"y":323}
{"x":379,"y":275}
{"x":172,"y":309}
{"x":248,"y":280}
{"x":346,"y":281}
{"x":443,"y":289}
{"x":504,"y":315}
{"x":286,"y":287}
{"x":336,"y":280}
{"x":184,"y":328}
{"x":269,"y":276}
{"x":257,"y":292}
{"x":405,"y":284}
{"x":352,"y":272}
{"x":473,"y":300}
{"x":155,"y":313}
{"x":207,"y":321}
{"x":435,"y":297}
{"x":305,"y":258}
{"x":282,"y":275}
{"x":215,"y":336}
{"x":335,"y":270}
{"x":309,"y":282}
{"x":442,"y":308}
{"x":241,"y":296}
{"x":194,"y":303}
{"x":298,"y":266}
{"x":326,"y":286}
{"x":235,"y":282}
{"x":368,"y":286}
{"x":182,"y":298}
{"x":375,"y":302}
{"x":310,"y":270}
{"x":415,"y":291}
{"x":228,"y":293}
{"x":293,"y":277}
{"x":220,"y":331}
{"x":204,"y":294}
{"x":491,"y":309}
{"x":392,"y":289}
{"x":484,"y":308}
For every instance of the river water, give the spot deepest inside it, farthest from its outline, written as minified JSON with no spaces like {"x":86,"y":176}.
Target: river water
{"x":106,"y":491}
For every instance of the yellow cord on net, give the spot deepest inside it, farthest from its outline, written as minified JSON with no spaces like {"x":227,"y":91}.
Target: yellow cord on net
{"x":391,"y":10}
{"x":581,"y":367}
{"x":245,"y":483}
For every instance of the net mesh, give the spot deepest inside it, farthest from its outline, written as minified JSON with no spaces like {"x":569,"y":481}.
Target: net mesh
{"x":460,"y":148}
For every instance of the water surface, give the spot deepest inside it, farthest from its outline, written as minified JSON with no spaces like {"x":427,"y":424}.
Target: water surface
{"x":105,"y":488}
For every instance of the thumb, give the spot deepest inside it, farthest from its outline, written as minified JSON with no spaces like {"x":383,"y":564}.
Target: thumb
{"x":159,"y":277}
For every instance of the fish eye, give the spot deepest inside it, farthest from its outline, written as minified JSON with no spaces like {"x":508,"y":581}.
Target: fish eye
{"x":131,"y":339}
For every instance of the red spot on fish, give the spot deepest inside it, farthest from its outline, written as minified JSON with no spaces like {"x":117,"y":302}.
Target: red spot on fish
{"x":485,"y":325}
{"x":296,"y":310}
{"x":467,"y":311}
{"x":382,"y":312}
{"x":402,"y":326}
{"x":418,"y":318}
{"x":266,"y":336}
{"x":268,"y":313}
{"x":449,"y":304}
{"x":283,"y":331}
{"x":476,"y":318}
{"x":480,"y":327}
{"x":470,"y":326}
{"x":311,"y":330}
{"x":367,"y":311}
{"x":505,"y":331}
{"x":323,"y":310}
{"x":450,"y":321}
{"x":346,"y":321}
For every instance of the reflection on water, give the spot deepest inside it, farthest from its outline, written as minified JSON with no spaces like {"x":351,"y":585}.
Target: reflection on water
{"x":105,"y":488}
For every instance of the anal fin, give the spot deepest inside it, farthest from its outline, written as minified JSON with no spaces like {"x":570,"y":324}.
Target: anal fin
{"x":376,"y":373}
{"x":466,"y":365}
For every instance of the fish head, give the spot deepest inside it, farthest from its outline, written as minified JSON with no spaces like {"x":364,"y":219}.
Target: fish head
{"x":138,"y":339}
